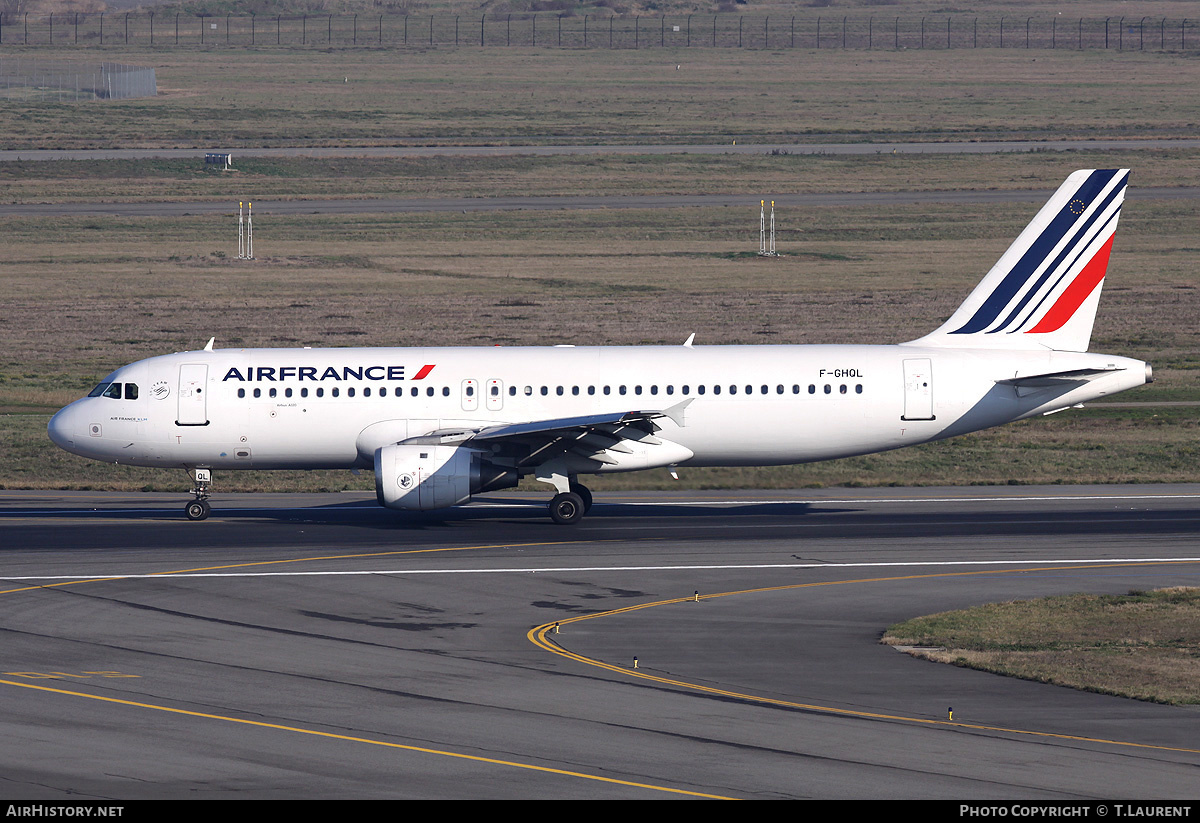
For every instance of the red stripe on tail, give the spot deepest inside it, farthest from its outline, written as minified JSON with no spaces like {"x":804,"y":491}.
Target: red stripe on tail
{"x":1071,"y":299}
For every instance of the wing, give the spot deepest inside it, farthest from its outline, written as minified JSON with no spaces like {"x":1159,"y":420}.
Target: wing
{"x":619,"y":441}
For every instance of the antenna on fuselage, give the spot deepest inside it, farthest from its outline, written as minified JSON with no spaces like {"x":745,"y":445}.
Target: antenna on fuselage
{"x":209,"y":345}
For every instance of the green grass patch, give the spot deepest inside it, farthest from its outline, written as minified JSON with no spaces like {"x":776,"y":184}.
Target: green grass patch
{"x":1144,"y":645}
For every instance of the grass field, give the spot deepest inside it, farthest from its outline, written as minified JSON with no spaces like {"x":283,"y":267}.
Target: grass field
{"x":1141,"y":645}
{"x":80,"y":296}
{"x":232,"y":99}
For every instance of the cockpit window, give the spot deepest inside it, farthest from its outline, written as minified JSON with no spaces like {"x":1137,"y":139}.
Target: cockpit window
{"x":113,"y":391}
{"x":99,"y":390}
{"x":131,"y":391}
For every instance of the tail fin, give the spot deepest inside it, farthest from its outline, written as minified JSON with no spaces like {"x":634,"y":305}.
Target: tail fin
{"x":1044,"y":291}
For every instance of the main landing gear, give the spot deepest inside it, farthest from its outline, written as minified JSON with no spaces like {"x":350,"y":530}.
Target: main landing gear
{"x":199,"y":508}
{"x":568,"y":507}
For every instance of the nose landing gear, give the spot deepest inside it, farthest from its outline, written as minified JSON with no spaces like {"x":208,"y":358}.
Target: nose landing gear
{"x":199,"y":508}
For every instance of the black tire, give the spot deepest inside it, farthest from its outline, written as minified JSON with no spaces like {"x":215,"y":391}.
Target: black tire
{"x":585,"y":494}
{"x":197,"y":510}
{"x":566,"y":508}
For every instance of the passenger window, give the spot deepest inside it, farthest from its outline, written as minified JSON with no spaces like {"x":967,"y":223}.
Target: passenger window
{"x":545,"y":391}
{"x":700,"y":390}
{"x":559,"y":391}
{"x":621,"y":390}
{"x":415,"y":392}
{"x":779,"y":389}
{"x":637,"y":389}
{"x":445,"y":391}
{"x":607,"y":390}
{"x":733,"y":389}
{"x":654,"y":389}
{"x":429,"y":392}
{"x":812,"y":389}
{"x":828,"y":389}
{"x":670,"y":389}
{"x":716,"y":389}
{"x":131,"y":391}
{"x":304,"y":392}
{"x":470,"y":391}
{"x":334,"y":392}
{"x":320,"y":392}
{"x":858,"y":389}
{"x":288,"y":392}
{"x":258,"y":392}
{"x":842,"y":389}
{"x":575,"y":391}
{"x":272,"y":392}
{"x":591,"y":389}
{"x":241,"y":392}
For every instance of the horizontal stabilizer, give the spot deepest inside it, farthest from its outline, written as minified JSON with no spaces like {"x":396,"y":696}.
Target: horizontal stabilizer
{"x":1028,"y":384}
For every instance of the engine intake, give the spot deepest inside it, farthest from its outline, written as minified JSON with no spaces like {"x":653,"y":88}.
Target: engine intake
{"x":424,"y":477}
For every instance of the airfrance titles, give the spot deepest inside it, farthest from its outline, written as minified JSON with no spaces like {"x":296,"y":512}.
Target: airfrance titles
{"x":278,"y":374}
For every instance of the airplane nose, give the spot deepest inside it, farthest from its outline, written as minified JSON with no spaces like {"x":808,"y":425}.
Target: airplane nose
{"x":62,"y":428}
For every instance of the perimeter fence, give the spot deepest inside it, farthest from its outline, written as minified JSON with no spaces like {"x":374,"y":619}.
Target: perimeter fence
{"x":42,"y":79}
{"x":574,"y":31}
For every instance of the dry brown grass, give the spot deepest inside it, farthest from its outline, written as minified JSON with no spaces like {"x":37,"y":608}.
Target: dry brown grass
{"x":1144,"y":645}
{"x":297,"y":97}
{"x":80,"y":296}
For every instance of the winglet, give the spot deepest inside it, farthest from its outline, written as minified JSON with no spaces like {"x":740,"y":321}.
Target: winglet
{"x":209,"y":345}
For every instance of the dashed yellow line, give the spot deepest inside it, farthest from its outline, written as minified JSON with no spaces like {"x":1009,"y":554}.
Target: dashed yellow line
{"x":538,"y":636}
{"x":330,"y":735}
{"x":369,"y":741}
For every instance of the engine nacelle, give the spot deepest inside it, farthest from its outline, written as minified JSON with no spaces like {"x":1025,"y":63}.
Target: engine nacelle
{"x":423,"y":477}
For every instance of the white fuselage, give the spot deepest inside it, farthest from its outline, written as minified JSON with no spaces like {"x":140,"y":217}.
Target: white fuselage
{"x":749,"y":405}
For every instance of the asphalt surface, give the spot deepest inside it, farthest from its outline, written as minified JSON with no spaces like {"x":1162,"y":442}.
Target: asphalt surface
{"x":317,"y":646}
{"x":396,"y":205}
{"x":949,"y":147}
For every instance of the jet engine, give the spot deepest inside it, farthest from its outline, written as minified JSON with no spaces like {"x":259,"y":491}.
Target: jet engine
{"x":423,"y":477}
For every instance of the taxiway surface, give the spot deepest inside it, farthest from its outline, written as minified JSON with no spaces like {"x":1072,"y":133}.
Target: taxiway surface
{"x":318,"y":646}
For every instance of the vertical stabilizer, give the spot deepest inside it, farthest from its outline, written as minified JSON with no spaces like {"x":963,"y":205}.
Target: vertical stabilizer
{"x":1044,"y":291}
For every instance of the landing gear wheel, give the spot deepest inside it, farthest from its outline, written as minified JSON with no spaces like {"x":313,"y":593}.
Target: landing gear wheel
{"x":585,"y":494}
{"x":197,"y":510}
{"x":566,"y":508}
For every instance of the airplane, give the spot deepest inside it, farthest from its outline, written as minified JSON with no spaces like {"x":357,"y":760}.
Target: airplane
{"x":438,"y":425}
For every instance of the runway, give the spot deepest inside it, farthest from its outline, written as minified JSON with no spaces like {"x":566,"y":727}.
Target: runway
{"x":499,"y":149}
{"x":318,"y":646}
{"x":399,"y":205}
